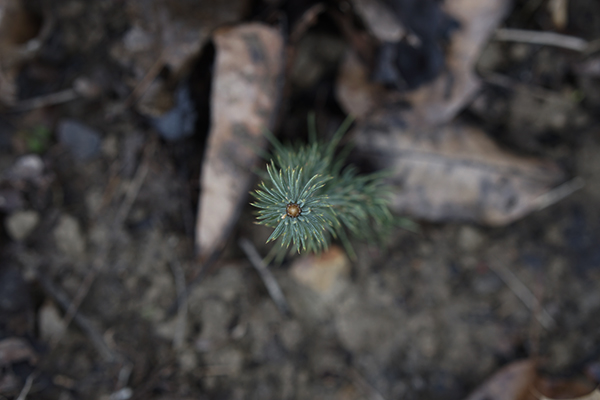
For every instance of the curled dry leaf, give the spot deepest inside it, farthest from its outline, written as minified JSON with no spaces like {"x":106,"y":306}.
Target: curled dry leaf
{"x":245,"y":94}
{"x":455,"y":172}
{"x":14,"y":350}
{"x":572,"y":388}
{"x":447,"y":95}
{"x":512,"y":382}
{"x":595,"y":395}
{"x":380,"y":20}
{"x":440,"y":100}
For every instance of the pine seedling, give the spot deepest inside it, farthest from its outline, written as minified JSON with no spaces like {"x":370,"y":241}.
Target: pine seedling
{"x":310,"y":196}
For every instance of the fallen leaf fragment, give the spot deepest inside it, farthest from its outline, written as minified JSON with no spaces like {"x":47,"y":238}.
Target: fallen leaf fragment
{"x":595,"y":395}
{"x":574,"y":388}
{"x":380,"y":20}
{"x":14,"y":350}
{"x":245,"y":94}
{"x":455,"y":172}
{"x":439,"y":101}
{"x":512,"y":382}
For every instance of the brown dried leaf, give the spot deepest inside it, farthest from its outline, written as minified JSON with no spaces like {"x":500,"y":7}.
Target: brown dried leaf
{"x":380,"y":20}
{"x":510,"y":383}
{"x":455,"y":172}
{"x":595,"y":395}
{"x":245,"y":93}
{"x":14,"y":350}
{"x":575,"y":388}
{"x":356,"y":93}
{"x":440,"y":100}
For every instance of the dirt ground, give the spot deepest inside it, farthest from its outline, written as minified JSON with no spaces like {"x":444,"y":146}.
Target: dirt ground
{"x":99,"y":212}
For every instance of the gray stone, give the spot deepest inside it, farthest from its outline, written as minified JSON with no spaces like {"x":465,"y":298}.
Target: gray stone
{"x":469,"y":239}
{"x":50,"y":323}
{"x":20,"y":224}
{"x":83,"y":141}
{"x":69,"y":238}
{"x":29,"y":167}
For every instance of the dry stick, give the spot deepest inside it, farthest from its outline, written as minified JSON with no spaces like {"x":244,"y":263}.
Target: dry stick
{"x":144,"y":84}
{"x":524,"y":294}
{"x":140,"y":88}
{"x":534,"y":330}
{"x":308,"y":19}
{"x":364,"y":385}
{"x":543,"y":38}
{"x":180,"y":325}
{"x":84,"y":324}
{"x":100,"y":260}
{"x":198,"y":275}
{"x":266,"y":275}
{"x":506,"y":82}
{"x":63,"y":96}
{"x":26,"y":387}
{"x":559,"y":193}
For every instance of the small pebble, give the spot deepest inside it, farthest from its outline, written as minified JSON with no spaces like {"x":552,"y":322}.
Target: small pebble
{"x":50,"y":323}
{"x":68,"y":237}
{"x":469,"y":239}
{"x":28,"y":167}
{"x":20,"y":224}
{"x":83,"y":141}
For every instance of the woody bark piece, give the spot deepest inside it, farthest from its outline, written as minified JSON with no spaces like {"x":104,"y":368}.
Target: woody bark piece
{"x":245,"y":93}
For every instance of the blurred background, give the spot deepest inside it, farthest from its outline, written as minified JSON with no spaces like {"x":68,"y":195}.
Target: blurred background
{"x":131,"y":132}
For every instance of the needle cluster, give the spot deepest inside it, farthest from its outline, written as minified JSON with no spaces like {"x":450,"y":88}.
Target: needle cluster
{"x":309,"y":196}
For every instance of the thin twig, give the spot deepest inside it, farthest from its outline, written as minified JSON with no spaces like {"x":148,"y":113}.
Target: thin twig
{"x":134,"y":188}
{"x":84,"y":324}
{"x":308,"y":19}
{"x":180,"y":325}
{"x":26,"y":387}
{"x":288,"y":54}
{"x":543,"y":38}
{"x":507,"y":82}
{"x":559,"y":193}
{"x":365,"y":386}
{"x":266,"y":275}
{"x":524,"y":294}
{"x":63,"y":96}
{"x":145,"y":82}
{"x":196,"y":278}
{"x":99,"y":261}
{"x":141,"y":87}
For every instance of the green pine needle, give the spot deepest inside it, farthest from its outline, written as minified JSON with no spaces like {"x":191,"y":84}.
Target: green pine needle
{"x":308,"y":196}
